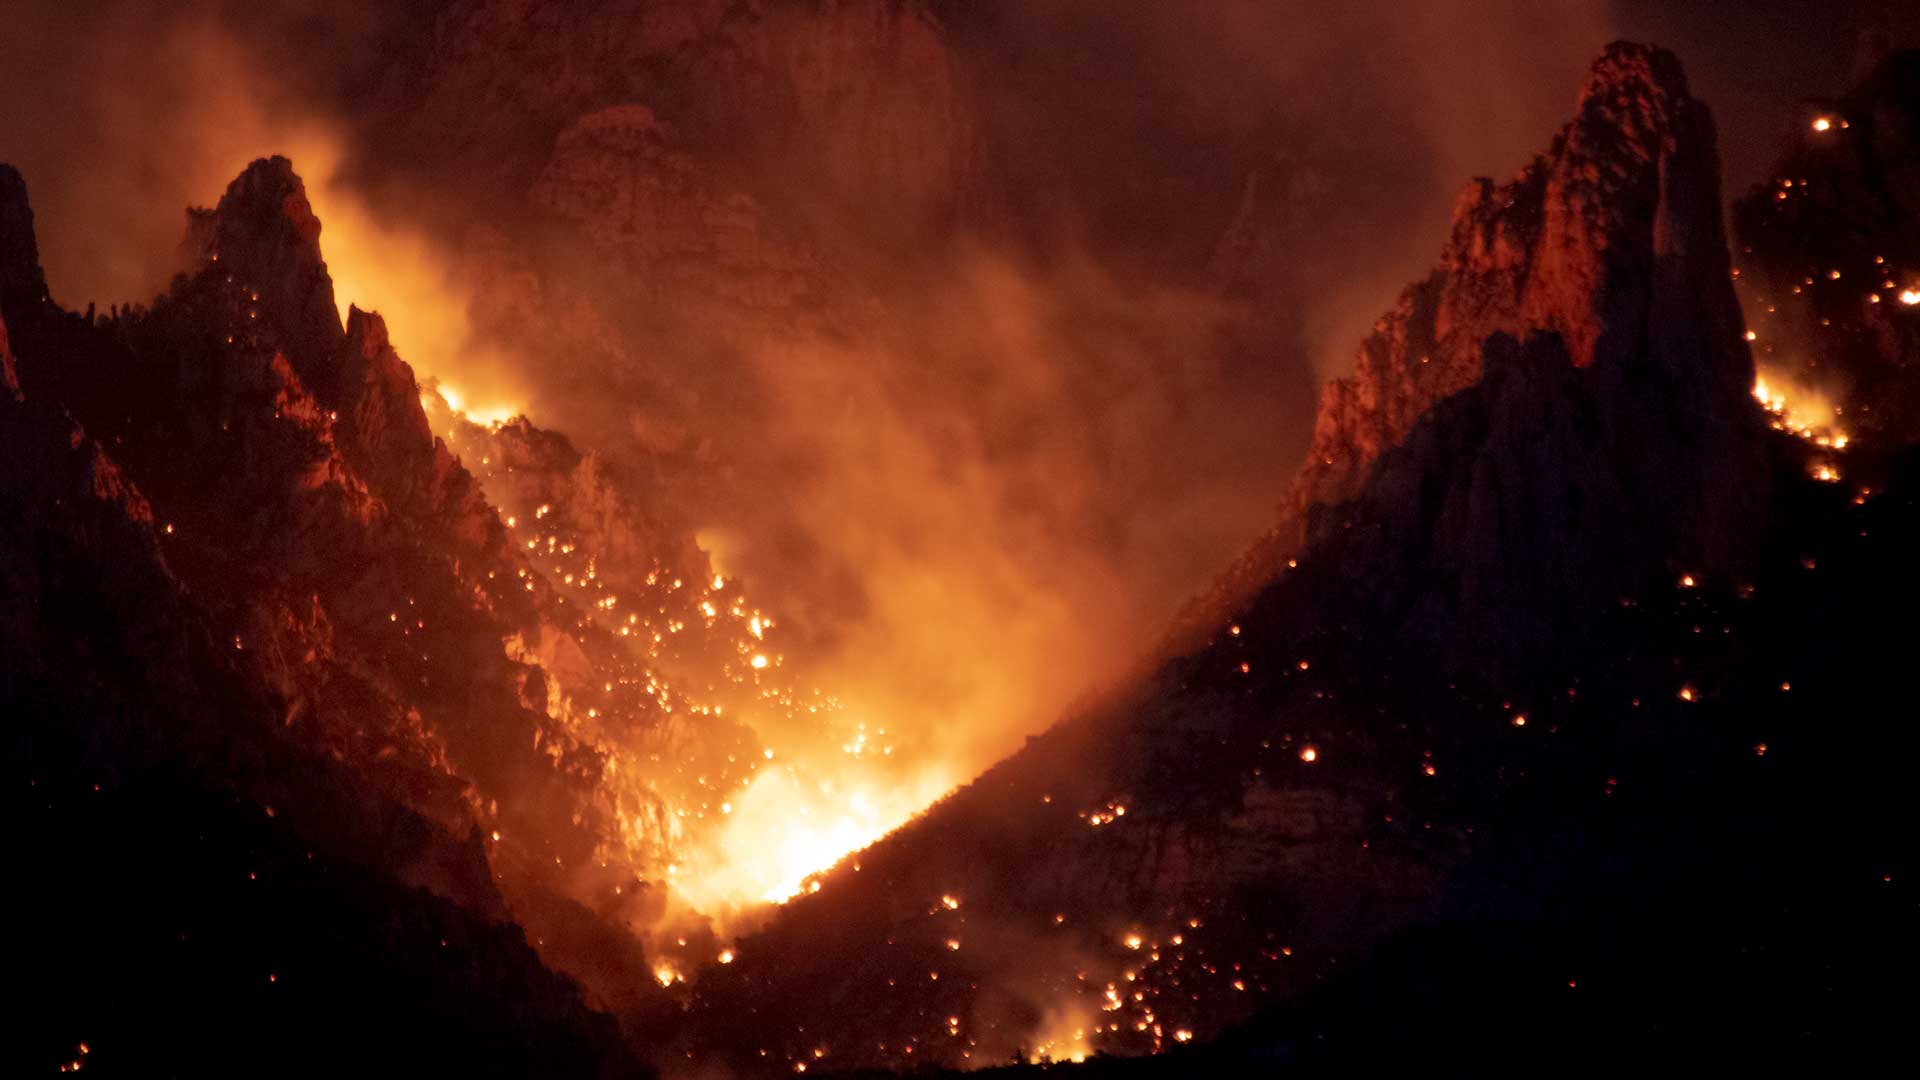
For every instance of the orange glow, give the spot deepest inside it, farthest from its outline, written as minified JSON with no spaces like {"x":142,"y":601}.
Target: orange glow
{"x":791,"y":823}
{"x":400,"y":274}
{"x":1062,"y":1036}
{"x":1800,"y":410}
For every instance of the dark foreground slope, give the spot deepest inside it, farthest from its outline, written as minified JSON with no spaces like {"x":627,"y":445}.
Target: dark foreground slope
{"x":1569,"y":732}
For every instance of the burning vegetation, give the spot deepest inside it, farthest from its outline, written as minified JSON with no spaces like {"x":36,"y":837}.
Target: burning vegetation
{"x":1562,"y":662}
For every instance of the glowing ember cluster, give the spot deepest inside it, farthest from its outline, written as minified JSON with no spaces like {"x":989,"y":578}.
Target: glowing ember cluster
{"x":730,"y":778}
{"x":1815,"y":425}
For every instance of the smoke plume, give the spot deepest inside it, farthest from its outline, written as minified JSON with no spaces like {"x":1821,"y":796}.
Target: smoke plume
{"x":1068,"y":404}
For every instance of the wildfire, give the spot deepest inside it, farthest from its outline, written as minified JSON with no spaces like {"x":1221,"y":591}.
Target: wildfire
{"x":789,"y":825}
{"x":1064,"y":1037}
{"x":1805,"y":414}
{"x":685,"y":639}
{"x":491,"y":415}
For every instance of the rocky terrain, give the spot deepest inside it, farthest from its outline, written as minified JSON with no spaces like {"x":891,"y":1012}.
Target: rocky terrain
{"x":1540,"y":606}
{"x":1549,"y":724}
{"x":212,"y":753}
{"x":330,"y":626}
{"x":1610,"y":241}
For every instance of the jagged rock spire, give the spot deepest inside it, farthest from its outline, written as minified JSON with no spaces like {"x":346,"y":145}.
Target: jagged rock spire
{"x":1611,"y":242}
{"x":265,"y":234}
{"x":1612,"y":239}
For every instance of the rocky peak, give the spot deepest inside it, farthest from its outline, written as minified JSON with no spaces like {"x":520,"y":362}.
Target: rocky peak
{"x":1610,"y":242}
{"x":1611,"y":239}
{"x":621,"y":179}
{"x":382,"y":429}
{"x":264,"y":233}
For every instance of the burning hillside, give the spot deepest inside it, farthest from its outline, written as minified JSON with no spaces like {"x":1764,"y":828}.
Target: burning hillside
{"x":708,"y":630}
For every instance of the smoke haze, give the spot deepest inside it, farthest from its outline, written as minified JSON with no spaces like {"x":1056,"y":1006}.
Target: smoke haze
{"x":1055,"y":412}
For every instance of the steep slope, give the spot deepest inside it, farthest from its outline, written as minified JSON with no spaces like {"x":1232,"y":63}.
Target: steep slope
{"x":1529,"y":559}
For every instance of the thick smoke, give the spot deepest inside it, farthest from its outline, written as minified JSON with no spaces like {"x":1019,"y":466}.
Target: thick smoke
{"x":1074,"y":407}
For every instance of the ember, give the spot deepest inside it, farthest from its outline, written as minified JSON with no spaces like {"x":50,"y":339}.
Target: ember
{"x":793,"y":692}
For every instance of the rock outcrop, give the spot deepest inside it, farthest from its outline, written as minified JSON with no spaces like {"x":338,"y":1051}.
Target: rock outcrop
{"x":265,"y":230}
{"x":1611,"y":241}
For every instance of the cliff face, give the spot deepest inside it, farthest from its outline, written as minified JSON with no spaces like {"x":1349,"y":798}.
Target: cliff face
{"x":862,"y":103}
{"x":649,"y":208}
{"x":870,"y":104}
{"x":1829,"y":260}
{"x":1611,"y":241}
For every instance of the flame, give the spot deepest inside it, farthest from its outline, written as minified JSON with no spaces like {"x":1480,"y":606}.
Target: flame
{"x":792,"y":823}
{"x":1800,"y":411}
{"x":456,"y":402}
{"x":1063,"y":1035}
